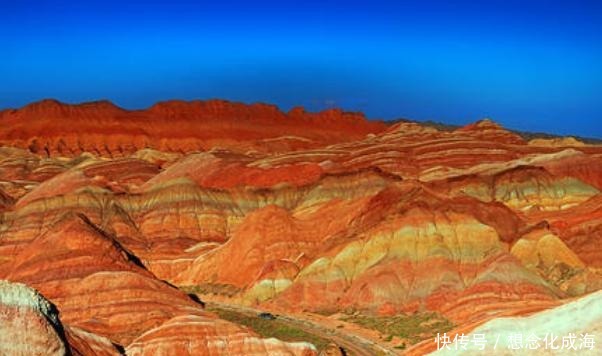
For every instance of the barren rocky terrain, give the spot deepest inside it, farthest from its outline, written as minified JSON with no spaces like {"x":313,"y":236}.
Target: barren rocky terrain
{"x":116,"y":225}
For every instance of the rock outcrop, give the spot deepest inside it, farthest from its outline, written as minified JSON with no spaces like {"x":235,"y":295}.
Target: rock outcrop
{"x":29,"y":324}
{"x":544,"y":333}
{"x":174,"y":126}
{"x":112,"y":216}
{"x":195,"y":335}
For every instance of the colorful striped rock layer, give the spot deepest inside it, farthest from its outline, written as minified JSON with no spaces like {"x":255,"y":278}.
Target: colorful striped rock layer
{"x":108,"y":215}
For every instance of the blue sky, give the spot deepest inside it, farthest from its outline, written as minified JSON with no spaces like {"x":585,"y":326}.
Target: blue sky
{"x":531,"y":65}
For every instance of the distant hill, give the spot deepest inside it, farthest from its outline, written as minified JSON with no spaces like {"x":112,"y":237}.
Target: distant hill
{"x":527,"y":135}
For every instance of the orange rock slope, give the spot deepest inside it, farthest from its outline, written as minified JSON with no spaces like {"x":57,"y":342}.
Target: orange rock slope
{"x":175,"y":126}
{"x":106,"y":212}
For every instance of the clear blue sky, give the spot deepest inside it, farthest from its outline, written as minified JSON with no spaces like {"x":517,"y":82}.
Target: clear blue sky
{"x":531,"y":65}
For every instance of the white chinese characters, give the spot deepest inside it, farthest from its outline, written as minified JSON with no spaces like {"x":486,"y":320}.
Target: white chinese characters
{"x":516,"y":341}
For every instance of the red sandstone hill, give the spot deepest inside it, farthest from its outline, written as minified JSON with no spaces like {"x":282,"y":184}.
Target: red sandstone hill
{"x":107,"y":214}
{"x":174,"y":126}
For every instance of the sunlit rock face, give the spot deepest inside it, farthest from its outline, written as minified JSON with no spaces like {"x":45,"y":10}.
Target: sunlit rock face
{"x":97,"y":285}
{"x":578,"y":318}
{"x":195,"y":335}
{"x":106,"y":130}
{"x":322,"y":212}
{"x":29,"y":324}
{"x":85,"y":343}
{"x":427,"y":253}
{"x":106,"y":296}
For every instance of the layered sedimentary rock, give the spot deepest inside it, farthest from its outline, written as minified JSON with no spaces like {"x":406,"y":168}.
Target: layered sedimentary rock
{"x":322,"y":212}
{"x":557,"y":142}
{"x":425,"y":250}
{"x":576,"y":260}
{"x":76,"y":264}
{"x":544,"y":333}
{"x":522,"y":188}
{"x":545,"y":253}
{"x":177,"y":126}
{"x":272,"y":245}
{"x":86,"y":343}
{"x":5,"y":200}
{"x":106,"y":296}
{"x":195,"y":335}
{"x":29,"y":324}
